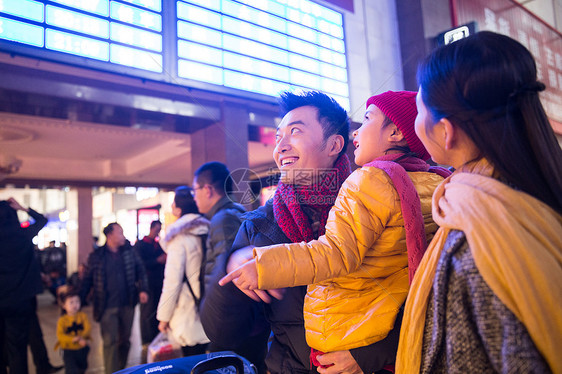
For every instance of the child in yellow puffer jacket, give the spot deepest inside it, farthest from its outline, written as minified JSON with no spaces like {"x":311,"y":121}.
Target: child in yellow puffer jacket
{"x":73,"y":334}
{"x":359,"y":271}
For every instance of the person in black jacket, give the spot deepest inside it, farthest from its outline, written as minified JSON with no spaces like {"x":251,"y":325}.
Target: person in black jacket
{"x":55,"y":267}
{"x":20,"y":282}
{"x":154,"y":260}
{"x":211,"y":187}
{"x":118,"y":279}
{"x":312,"y":170}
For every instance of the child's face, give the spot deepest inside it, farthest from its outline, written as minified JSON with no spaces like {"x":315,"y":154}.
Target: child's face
{"x":71,"y":305}
{"x":371,"y":140}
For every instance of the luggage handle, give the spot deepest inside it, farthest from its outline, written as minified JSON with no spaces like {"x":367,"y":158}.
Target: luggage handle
{"x":217,"y":363}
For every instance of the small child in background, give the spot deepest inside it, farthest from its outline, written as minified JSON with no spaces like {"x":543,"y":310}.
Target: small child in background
{"x":73,"y":334}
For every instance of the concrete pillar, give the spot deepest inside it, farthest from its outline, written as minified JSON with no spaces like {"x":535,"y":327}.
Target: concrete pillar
{"x":79,"y":227}
{"x":72,"y":231}
{"x":235,"y":125}
{"x":85,"y":243}
{"x":419,"y":22}
{"x":225,"y":141}
{"x":412,"y":39}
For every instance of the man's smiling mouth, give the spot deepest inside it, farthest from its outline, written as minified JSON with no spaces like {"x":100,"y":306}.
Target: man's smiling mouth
{"x":289,"y":161}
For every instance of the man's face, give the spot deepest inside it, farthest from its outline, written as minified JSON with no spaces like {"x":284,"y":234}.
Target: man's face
{"x":202,"y":196}
{"x":156,"y":230}
{"x":300,"y":149}
{"x":116,"y":236}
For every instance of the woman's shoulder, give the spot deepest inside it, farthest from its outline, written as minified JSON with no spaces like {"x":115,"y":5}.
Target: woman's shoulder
{"x":187,"y":225}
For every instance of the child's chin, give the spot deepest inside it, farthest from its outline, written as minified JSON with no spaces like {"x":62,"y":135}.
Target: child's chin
{"x":358,"y":162}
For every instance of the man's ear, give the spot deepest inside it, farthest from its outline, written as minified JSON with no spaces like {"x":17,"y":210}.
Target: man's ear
{"x":335,"y":144}
{"x":208,"y":191}
{"x":396,"y":135}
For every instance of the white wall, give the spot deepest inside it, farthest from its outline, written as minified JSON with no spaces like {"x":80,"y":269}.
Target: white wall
{"x":373,"y":52}
{"x":550,"y":11}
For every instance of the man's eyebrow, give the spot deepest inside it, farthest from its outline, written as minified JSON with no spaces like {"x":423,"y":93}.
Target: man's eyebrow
{"x":299,"y":122}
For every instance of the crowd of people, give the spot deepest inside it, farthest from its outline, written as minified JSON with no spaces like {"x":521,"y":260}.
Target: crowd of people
{"x":402,"y":266}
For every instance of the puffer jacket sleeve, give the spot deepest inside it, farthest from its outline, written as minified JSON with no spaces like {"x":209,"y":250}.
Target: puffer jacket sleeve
{"x":362,"y":209}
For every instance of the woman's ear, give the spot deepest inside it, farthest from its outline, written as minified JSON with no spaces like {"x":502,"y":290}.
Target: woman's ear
{"x":458,"y":144}
{"x":449,"y":133}
{"x":335,"y":144}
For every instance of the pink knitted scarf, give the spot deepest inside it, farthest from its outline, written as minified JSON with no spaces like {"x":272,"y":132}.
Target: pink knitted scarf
{"x":321,"y":196}
{"x":410,"y":204}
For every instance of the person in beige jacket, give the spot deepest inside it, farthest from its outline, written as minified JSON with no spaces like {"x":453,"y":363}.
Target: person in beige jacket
{"x":177,"y":310}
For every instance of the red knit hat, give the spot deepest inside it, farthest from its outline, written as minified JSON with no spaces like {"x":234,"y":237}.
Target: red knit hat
{"x":400,"y":107}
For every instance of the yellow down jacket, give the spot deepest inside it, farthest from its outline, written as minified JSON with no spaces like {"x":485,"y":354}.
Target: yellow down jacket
{"x":358,"y":271}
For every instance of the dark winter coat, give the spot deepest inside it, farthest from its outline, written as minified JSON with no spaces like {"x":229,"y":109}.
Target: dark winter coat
{"x":225,"y":222}
{"x":95,"y":278}
{"x":19,"y":269}
{"x":149,"y":251}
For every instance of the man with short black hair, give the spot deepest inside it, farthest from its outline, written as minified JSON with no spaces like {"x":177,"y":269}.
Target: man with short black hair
{"x":119,"y":281}
{"x":211,"y":186}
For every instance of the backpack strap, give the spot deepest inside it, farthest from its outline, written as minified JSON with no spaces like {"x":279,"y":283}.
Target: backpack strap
{"x":196,"y":299}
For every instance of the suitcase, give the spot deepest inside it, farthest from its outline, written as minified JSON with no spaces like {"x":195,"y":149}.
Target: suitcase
{"x":225,"y":362}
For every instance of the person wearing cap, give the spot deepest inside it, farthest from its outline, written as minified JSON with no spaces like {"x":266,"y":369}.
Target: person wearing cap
{"x":376,"y":234}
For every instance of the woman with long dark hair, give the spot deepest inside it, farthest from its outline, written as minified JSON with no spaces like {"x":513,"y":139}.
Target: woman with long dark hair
{"x":486,"y":297}
{"x":178,"y":312}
